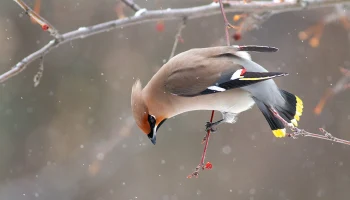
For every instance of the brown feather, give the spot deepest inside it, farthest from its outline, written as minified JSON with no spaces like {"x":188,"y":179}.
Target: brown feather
{"x":139,"y":108}
{"x":191,"y":72}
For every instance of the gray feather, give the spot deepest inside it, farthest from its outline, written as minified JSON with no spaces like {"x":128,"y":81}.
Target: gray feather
{"x":195,"y":71}
{"x":266,"y":91}
{"x":198,"y":69}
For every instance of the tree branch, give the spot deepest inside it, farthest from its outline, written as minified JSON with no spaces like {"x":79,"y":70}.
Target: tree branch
{"x":178,"y":37}
{"x":201,"y":165}
{"x":45,"y":25}
{"x":132,"y":5}
{"x":142,"y":15}
{"x":301,"y":132}
{"x":227,"y":24}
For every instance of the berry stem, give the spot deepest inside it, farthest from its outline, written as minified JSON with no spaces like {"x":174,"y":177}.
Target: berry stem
{"x":201,"y":165}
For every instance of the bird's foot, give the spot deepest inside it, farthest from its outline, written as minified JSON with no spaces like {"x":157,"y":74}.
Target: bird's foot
{"x":209,"y":126}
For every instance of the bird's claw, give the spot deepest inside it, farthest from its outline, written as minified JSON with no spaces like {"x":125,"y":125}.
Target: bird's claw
{"x":209,"y":126}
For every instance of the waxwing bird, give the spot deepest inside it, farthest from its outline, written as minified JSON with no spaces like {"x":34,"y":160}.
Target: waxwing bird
{"x":220,"y":78}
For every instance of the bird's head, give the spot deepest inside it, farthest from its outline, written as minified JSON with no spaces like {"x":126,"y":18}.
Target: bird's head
{"x":146,"y":121}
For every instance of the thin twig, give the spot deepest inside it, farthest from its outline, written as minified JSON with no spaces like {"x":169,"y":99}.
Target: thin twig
{"x":227,"y":24}
{"x":168,"y":14}
{"x":207,"y":136}
{"x":178,"y":37}
{"x":201,"y":165}
{"x":301,"y":132}
{"x":19,"y":67}
{"x":45,"y":25}
{"x":132,"y":5}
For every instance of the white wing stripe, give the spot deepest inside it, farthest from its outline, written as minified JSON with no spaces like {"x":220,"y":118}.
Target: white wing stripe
{"x":216,"y":88}
{"x":236,"y":75}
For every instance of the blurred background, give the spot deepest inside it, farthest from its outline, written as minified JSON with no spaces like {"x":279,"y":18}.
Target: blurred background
{"x":73,"y":137}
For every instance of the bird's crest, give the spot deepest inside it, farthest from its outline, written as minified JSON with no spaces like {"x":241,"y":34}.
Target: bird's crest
{"x":139,"y":108}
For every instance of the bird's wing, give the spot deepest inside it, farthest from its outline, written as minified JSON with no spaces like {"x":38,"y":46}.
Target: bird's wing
{"x":211,"y":74}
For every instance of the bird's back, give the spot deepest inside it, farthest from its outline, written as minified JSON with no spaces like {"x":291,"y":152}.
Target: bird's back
{"x":194,"y":70}
{"x":267,"y":91}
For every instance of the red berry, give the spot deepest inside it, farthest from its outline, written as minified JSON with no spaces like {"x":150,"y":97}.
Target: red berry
{"x":237,"y":36}
{"x":45,"y":27}
{"x":208,"y":165}
{"x":160,"y":26}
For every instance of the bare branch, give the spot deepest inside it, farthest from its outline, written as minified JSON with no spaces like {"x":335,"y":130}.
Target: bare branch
{"x":45,"y":25}
{"x":19,"y":67}
{"x":143,"y":15}
{"x":301,"y":132}
{"x":227,"y":24}
{"x":132,"y":5}
{"x":178,"y":37}
{"x":201,"y":165}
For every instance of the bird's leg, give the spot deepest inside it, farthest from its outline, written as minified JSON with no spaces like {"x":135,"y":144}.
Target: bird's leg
{"x":227,"y":117}
{"x":212,"y":125}
{"x":201,"y":164}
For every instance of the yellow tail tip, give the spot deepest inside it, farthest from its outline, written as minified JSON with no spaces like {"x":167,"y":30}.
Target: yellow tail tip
{"x":298,"y":110}
{"x":279,"y":133}
{"x":294,"y":122}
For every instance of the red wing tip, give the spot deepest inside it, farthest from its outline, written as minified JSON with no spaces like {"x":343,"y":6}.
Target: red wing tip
{"x":243,"y":71}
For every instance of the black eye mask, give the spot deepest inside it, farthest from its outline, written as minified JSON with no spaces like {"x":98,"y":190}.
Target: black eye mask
{"x":152,"y":123}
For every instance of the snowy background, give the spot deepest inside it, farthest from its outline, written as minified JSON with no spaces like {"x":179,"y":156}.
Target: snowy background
{"x":73,"y":136}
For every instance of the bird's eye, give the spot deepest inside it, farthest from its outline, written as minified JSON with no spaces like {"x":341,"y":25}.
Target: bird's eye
{"x":151,"y":120}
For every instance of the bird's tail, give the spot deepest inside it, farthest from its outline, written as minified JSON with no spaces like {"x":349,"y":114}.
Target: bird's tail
{"x":290,"y":112}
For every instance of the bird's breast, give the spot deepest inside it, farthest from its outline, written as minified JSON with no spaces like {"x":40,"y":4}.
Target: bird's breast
{"x":234,"y":101}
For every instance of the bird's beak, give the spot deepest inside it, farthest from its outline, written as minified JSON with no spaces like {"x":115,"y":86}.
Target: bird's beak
{"x":152,"y":135}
